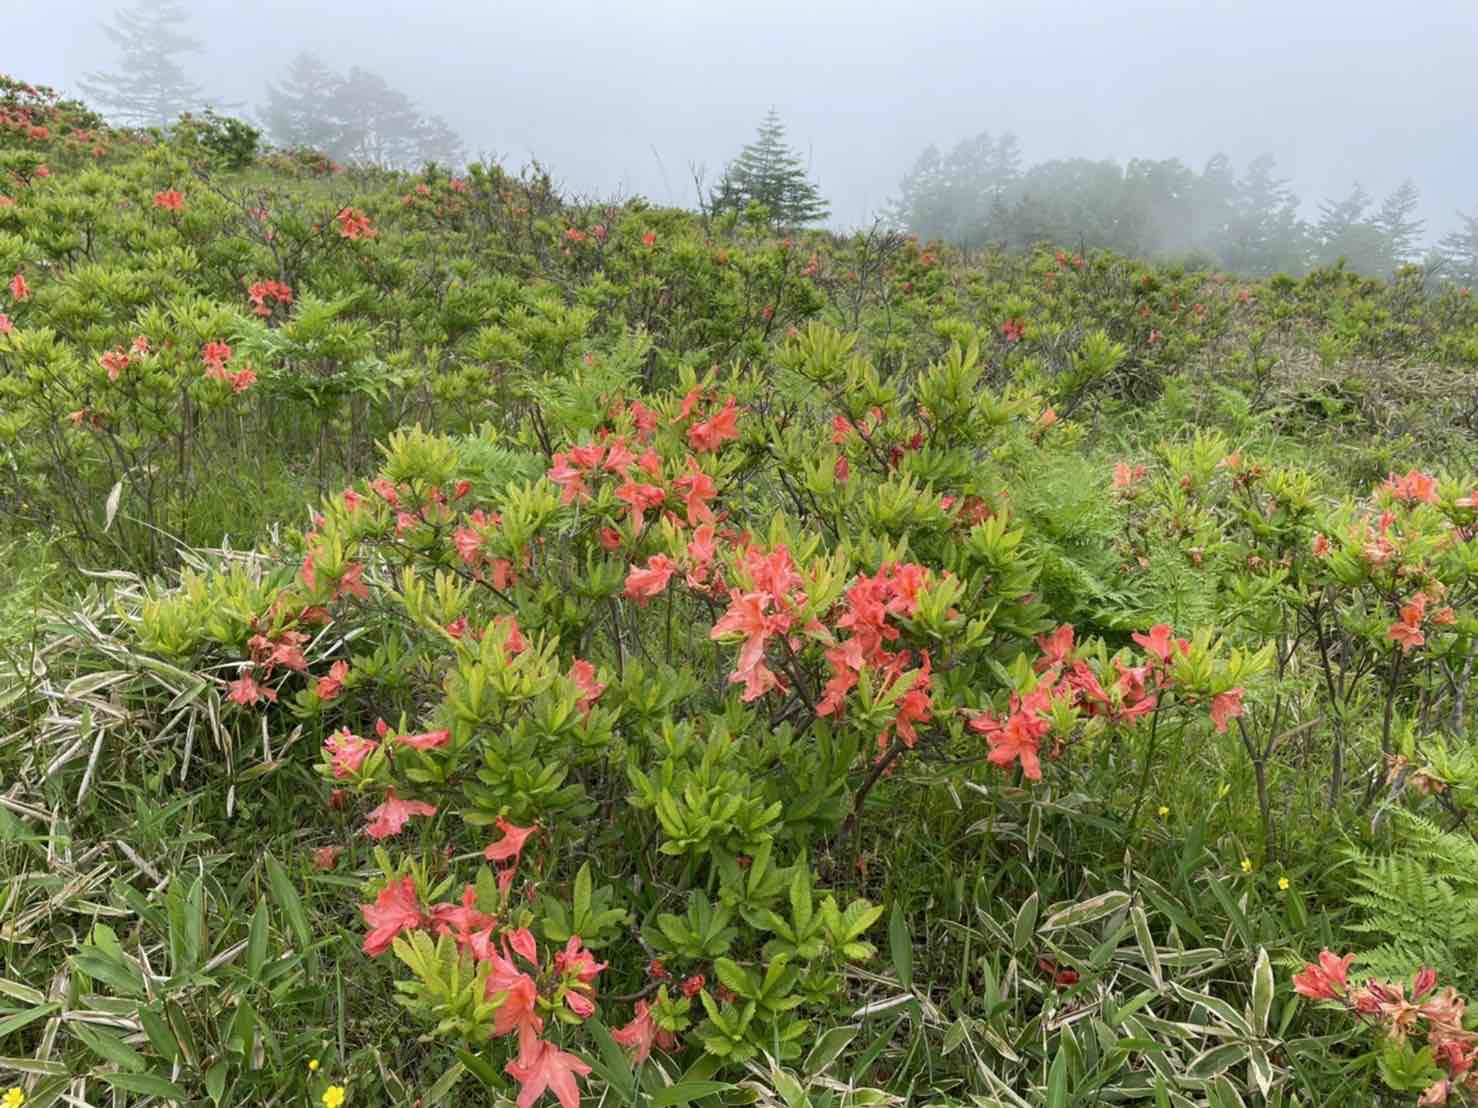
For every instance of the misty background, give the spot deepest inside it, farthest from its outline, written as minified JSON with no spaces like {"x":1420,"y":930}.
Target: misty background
{"x":622,"y":96}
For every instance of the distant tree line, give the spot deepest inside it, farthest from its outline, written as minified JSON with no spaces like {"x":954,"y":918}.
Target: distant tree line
{"x":979,"y":194}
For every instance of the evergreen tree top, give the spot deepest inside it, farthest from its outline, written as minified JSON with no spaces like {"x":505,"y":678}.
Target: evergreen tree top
{"x":770,"y":172}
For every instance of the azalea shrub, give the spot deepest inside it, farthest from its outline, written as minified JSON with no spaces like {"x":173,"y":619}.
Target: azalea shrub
{"x":1425,"y":1043}
{"x":556,"y":651}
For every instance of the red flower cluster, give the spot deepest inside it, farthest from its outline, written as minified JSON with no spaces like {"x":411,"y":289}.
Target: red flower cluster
{"x":1415,"y":487}
{"x":170,"y":200}
{"x":582,"y":673}
{"x":265,"y":294}
{"x":1407,"y":630}
{"x":709,"y":434}
{"x":870,"y":603}
{"x":843,"y":428}
{"x":1126,"y":480}
{"x":768,"y":607}
{"x":283,"y":649}
{"x":1066,"y":679}
{"x":468,"y":539}
{"x":118,"y":359}
{"x":215,"y":355}
{"x":354,"y":224}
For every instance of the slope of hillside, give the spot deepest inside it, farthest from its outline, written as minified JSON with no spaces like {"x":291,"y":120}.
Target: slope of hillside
{"x":464,"y":645}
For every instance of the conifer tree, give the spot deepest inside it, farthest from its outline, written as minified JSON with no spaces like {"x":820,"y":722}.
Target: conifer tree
{"x":1264,"y":234}
{"x":1345,"y":232}
{"x":301,"y":109}
{"x":1459,"y":251}
{"x":151,"y":88}
{"x":769,"y":171}
{"x":1396,"y":221}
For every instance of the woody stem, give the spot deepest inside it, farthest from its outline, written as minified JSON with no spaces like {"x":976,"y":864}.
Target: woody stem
{"x":1149,"y":761}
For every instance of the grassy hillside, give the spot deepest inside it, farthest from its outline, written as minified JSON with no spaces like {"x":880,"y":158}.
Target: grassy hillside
{"x":462,"y":645}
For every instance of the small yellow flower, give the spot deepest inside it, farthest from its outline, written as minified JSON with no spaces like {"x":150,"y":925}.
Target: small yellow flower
{"x":312,"y":1065}
{"x":15,"y":1096}
{"x":333,"y":1096}
{"x":1246,"y":865}
{"x":1284,"y":884}
{"x":1164,"y":810}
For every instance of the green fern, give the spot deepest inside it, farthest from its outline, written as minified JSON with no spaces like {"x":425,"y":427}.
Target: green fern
{"x":1419,"y":905}
{"x":1072,"y":536}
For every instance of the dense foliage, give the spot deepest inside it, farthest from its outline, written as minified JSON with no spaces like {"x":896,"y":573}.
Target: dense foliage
{"x":465,"y":646}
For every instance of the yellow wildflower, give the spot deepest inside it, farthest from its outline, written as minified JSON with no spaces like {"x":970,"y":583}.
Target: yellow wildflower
{"x":333,"y":1096}
{"x":15,"y":1096}
{"x":312,"y":1065}
{"x":1284,"y":884}
{"x":1246,"y":865}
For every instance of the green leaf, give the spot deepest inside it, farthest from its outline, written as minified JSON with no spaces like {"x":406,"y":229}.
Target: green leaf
{"x":1228,"y":1015}
{"x":686,"y":1092}
{"x":441,"y":1088}
{"x":256,"y":943}
{"x":1086,"y":911}
{"x":109,"y":969}
{"x":614,"y":1067}
{"x":11,"y":1024}
{"x":110,"y":1047}
{"x":828,"y":1049}
{"x":215,"y":1081}
{"x":286,"y":895}
{"x":582,"y":893}
{"x":1147,"y":945}
{"x":1026,"y":922}
{"x":1233,"y":911}
{"x":481,"y":1068}
{"x":160,"y":1037}
{"x":1217,"y":1060}
{"x":901,"y":945}
{"x":1262,"y":992}
{"x":1057,"y":1080}
{"x":1261,"y":1069}
{"x":146,"y":1083}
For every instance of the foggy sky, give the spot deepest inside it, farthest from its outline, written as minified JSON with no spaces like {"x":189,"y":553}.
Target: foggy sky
{"x":1337,"y":90}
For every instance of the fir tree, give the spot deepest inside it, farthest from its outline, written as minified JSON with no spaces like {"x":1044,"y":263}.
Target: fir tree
{"x":1396,"y":222}
{"x":1264,"y":234}
{"x":301,"y":109}
{"x":1459,"y":251}
{"x":150,"y":89}
{"x":770,"y":172}
{"x":1344,"y":232}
